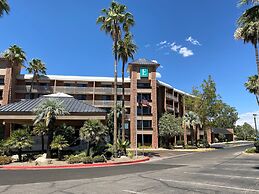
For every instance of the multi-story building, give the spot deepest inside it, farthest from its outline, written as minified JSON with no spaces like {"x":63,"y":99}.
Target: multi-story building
{"x":98,"y":91}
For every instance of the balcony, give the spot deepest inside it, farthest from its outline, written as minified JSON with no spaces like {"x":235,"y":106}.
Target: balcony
{"x":74,"y":90}
{"x":35,"y":89}
{"x":170,"y":108}
{"x":171,"y":97}
{"x":108,"y":103}
{"x":103,"y":90}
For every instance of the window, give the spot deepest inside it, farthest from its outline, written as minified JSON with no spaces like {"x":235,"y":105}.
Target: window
{"x":68,"y":84}
{"x":146,"y":110}
{"x":81,"y":85}
{"x":144,"y":97}
{"x":106,"y":97}
{"x":143,"y":85}
{"x":146,"y":124}
{"x":44,"y":84}
{"x":1,"y":94}
{"x":1,"y":81}
{"x":80,"y":97}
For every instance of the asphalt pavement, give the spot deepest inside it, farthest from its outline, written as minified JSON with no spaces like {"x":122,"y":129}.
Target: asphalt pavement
{"x":221,"y":171}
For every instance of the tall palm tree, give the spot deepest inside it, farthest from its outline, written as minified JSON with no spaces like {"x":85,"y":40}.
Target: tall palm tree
{"x":37,"y":68}
{"x":4,"y":7}
{"x":16,"y":57}
{"x":191,"y":120}
{"x":252,"y":85}
{"x":113,"y":21}
{"x":126,"y":49}
{"x":47,"y":112}
{"x":242,"y":2}
{"x":248,"y":29}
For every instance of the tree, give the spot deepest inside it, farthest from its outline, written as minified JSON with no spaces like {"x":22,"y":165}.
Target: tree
{"x":242,"y":2}
{"x":16,"y":56}
{"x":110,"y":119}
{"x":169,"y":127}
{"x":126,"y":49}
{"x":113,"y":20}
{"x":19,"y":140}
{"x":59,"y":143}
{"x":4,"y":7}
{"x":68,"y":132}
{"x":191,"y":120}
{"x":37,"y":68}
{"x":47,"y":112}
{"x":40,"y":129}
{"x":252,"y":85}
{"x":226,"y":117}
{"x":248,"y":29}
{"x":93,"y":132}
{"x":245,"y":132}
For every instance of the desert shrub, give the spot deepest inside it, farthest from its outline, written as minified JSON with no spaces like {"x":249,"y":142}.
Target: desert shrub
{"x":251,"y":150}
{"x":87,"y":160}
{"x":98,"y":159}
{"x":203,"y":143}
{"x":130,"y":154}
{"x":74,"y":159}
{"x":5,"y":160}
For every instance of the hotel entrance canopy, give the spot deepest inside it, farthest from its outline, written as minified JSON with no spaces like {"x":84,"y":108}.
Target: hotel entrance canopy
{"x":23,"y":112}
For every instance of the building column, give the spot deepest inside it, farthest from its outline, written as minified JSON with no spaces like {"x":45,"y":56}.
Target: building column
{"x":154,"y":110}
{"x":133,"y":109}
{"x":208,"y":131}
{"x":7,"y":130}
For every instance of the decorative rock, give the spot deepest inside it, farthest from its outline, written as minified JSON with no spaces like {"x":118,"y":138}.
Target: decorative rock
{"x":15,"y":158}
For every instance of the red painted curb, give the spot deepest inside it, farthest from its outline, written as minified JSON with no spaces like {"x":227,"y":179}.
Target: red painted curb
{"x":71,"y":166}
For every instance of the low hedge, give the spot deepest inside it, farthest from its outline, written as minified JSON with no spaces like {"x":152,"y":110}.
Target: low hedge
{"x":251,"y":150}
{"x":87,"y":160}
{"x":98,"y":159}
{"x":5,"y":160}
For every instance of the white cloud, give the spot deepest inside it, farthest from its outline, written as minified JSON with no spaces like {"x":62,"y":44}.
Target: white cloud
{"x":158,"y":75}
{"x":186,"y":52}
{"x":248,"y":118}
{"x":193,"y":41}
{"x":147,"y":45}
{"x":175,"y":47}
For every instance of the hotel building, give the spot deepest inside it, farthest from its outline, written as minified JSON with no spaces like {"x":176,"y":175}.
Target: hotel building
{"x":98,"y":92}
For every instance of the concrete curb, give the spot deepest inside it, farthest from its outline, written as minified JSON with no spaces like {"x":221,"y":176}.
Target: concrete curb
{"x":72,"y":166}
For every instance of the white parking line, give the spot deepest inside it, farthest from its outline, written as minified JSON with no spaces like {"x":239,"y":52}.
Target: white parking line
{"x":210,"y":185}
{"x":221,"y":175}
{"x":129,"y":191}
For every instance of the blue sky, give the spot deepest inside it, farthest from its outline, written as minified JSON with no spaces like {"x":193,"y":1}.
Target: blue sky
{"x":65,"y":36}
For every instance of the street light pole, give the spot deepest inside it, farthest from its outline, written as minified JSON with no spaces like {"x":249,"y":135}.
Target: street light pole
{"x":255,"y":125}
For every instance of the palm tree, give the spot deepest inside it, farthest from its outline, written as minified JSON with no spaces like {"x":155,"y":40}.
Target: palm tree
{"x":59,"y":143}
{"x":126,"y":49}
{"x":93,"y":132}
{"x":37,"y":68}
{"x":47,"y":112}
{"x":16,"y":56}
{"x":110,"y":119}
{"x":242,"y":2}
{"x":40,"y":129}
{"x":252,"y":85}
{"x":113,"y":20}
{"x":191,"y":120}
{"x":248,"y":29}
{"x":4,"y":7}
{"x":19,"y":140}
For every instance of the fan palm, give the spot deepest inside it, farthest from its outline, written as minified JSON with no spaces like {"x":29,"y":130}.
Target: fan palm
{"x":4,"y":7}
{"x":47,"y":112}
{"x":242,"y":2}
{"x":248,"y":29}
{"x":37,"y":68}
{"x":93,"y":132}
{"x":113,"y":21}
{"x":126,"y":49}
{"x":59,"y":143}
{"x":19,"y":140}
{"x":191,"y":120}
{"x":16,"y":56}
{"x":252,"y":85}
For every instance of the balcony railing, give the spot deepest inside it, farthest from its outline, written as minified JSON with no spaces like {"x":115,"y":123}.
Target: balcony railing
{"x":108,"y":103}
{"x":74,"y":90}
{"x":103,"y":90}
{"x":35,"y":89}
{"x":171,"y":97}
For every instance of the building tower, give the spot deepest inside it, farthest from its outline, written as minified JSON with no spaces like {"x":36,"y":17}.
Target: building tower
{"x":143,"y":87}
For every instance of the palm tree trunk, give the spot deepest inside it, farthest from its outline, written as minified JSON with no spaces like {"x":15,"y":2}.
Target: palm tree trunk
{"x":185,"y":135}
{"x":123,"y":104}
{"x":50,"y":139}
{"x":59,"y":154}
{"x":20,"y":155}
{"x":115,"y":94}
{"x":32,"y":83}
{"x":257,"y":59}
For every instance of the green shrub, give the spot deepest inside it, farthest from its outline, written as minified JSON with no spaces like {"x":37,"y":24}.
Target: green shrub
{"x":190,"y":147}
{"x":256,"y":143}
{"x":98,"y":159}
{"x":203,"y":143}
{"x":180,"y":142}
{"x":87,"y":160}
{"x":5,"y":160}
{"x":251,"y":150}
{"x":131,"y":154}
{"x":74,"y":159}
